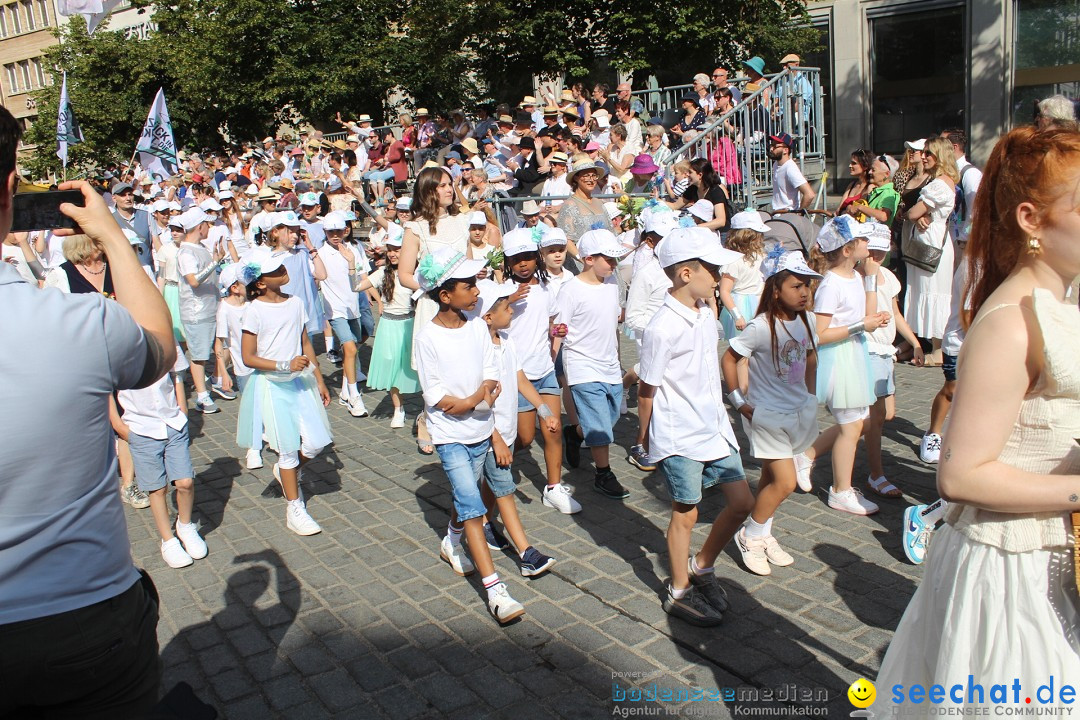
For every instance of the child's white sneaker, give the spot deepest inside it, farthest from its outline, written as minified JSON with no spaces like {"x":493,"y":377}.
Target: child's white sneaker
{"x":752,"y":550}
{"x":398,"y":421}
{"x":299,"y":521}
{"x":502,"y":606}
{"x":851,"y":501}
{"x":559,"y":497}
{"x":188,"y":534}
{"x":803,"y":468}
{"x":356,"y":406}
{"x":174,"y":554}
{"x":253,"y":459}
{"x":451,"y":554}
{"x":930,"y":448}
{"x":777,"y":555}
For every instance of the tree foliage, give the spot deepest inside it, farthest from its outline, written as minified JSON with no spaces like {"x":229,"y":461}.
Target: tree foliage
{"x":232,"y":69}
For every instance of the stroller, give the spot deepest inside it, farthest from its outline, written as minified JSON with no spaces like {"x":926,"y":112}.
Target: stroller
{"x":793,"y":230}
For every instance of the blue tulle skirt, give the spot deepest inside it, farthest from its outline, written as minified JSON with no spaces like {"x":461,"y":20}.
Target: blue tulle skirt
{"x":844,"y":375}
{"x":391,"y":357}
{"x":747,"y":305}
{"x":282,"y":410}
{"x":171,"y":293}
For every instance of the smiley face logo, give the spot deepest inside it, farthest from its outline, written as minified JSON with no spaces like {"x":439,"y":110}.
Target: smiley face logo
{"x":862,"y":693}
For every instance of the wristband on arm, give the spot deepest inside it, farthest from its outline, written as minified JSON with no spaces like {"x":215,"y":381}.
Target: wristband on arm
{"x":736,"y":398}
{"x":282,"y":366}
{"x":544,"y":411}
{"x":856,"y":328}
{"x":870,"y":283}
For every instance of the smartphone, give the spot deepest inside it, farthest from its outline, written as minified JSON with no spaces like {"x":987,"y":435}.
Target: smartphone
{"x":41,"y":210}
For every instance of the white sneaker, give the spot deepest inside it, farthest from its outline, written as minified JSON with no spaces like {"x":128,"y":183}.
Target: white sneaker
{"x":356,"y":406}
{"x":502,"y":606}
{"x":930,"y":448}
{"x":852,"y":501}
{"x":299,"y":521}
{"x":254,"y":459}
{"x":753,"y":553}
{"x":777,"y":555}
{"x":803,"y":467}
{"x":398,"y":421}
{"x":459,"y":562}
{"x":343,"y":399}
{"x":560,"y":498}
{"x":174,"y":554}
{"x":299,"y":489}
{"x":193,"y":542}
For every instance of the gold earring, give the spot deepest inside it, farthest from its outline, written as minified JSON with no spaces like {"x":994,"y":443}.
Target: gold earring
{"x":1034,"y":247}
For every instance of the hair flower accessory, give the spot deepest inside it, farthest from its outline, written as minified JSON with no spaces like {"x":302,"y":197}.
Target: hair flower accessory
{"x":250,"y":273}
{"x":687,"y":221}
{"x":771,"y":264}
{"x":537,"y":234}
{"x":598,"y":225}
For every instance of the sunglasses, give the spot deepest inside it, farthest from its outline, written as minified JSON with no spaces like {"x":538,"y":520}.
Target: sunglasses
{"x":720,"y":75}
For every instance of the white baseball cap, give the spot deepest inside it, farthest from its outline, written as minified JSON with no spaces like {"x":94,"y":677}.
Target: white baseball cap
{"x":792,"y":261}
{"x":161,"y":206}
{"x":601,"y":242}
{"x":333,"y":221}
{"x":522,"y":240}
{"x":285,"y":217}
{"x":703,"y":210}
{"x":661,"y":223}
{"x":210,"y":205}
{"x":612,"y":209}
{"x":394,"y":234}
{"x":193,"y":218}
{"x":879,"y":235}
{"x":309,"y":199}
{"x":490,"y":293}
{"x":251,"y":190}
{"x":477,"y":218}
{"x":838,"y":232}
{"x":748,"y":220}
{"x":270,"y":263}
{"x":225,"y":195}
{"x":403,"y":203}
{"x":444,"y":264}
{"x":230,"y":274}
{"x":553,"y":237}
{"x":694,"y":243}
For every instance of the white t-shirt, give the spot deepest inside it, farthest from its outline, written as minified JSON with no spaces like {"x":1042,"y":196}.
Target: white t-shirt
{"x":315,"y":232}
{"x":555,"y":282}
{"x":679,"y":358}
{"x":229,"y":327}
{"x":747,"y":275}
{"x":591,"y":314}
{"x":401,"y":304}
{"x":217,"y":237}
{"x":555,"y":186}
{"x":337,"y":290}
{"x":165,"y":257}
{"x":843,"y":298}
{"x":506,"y":405}
{"x":199,"y":303}
{"x":152,"y":410}
{"x":953,"y":338}
{"x":646,"y":296}
{"x":777,"y":382}
{"x":880,"y":341}
{"x":787,"y":179}
{"x":530,"y":330}
{"x":456,"y":362}
{"x":276,"y":326}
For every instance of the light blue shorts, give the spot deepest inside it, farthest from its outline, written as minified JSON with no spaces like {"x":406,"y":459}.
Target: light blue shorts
{"x":463,"y":465}
{"x":881,"y":375}
{"x":499,"y":479}
{"x":686,"y":478}
{"x":347,"y":330}
{"x":200,"y":338}
{"x":597,"y":406}
{"x":160,"y":462}
{"x":546,"y":385}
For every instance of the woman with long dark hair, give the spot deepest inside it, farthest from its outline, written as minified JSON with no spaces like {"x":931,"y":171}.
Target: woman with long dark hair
{"x":705,"y":183}
{"x":860,"y":168}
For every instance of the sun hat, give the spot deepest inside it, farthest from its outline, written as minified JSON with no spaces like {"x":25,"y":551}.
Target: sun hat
{"x":790,"y":57}
{"x":477,"y":218}
{"x":566,"y":94}
{"x":193,"y":218}
{"x":756,"y":64}
{"x":602,"y":121}
{"x":444,"y":264}
{"x":527,"y":100}
{"x":703,"y":210}
{"x":470,"y":145}
{"x":778,"y":259}
{"x":286,"y":183}
{"x":694,"y":243}
{"x":586,"y":165}
{"x":553,"y":237}
{"x":592,"y":146}
{"x":522,"y":240}
{"x":601,"y":242}
{"x":571,"y":110}
{"x":505,"y":120}
{"x":838,"y":232}
{"x":558,"y":158}
{"x":550,"y":111}
{"x":529,"y":207}
{"x":267,"y":193}
{"x":748,"y":220}
{"x":422,"y":112}
{"x":643,"y":165}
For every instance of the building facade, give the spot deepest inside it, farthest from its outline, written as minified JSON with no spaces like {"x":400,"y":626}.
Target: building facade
{"x":904,"y":69}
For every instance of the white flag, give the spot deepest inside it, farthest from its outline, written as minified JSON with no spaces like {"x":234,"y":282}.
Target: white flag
{"x":68,"y":131}
{"x":156,"y":148}
{"x":93,"y":11}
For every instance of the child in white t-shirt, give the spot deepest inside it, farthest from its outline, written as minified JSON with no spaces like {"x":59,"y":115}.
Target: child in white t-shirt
{"x":553,"y":253}
{"x":227,"y":346}
{"x":455,"y":360}
{"x":589,"y":307}
{"x":844,"y":306}
{"x":286,"y":398}
{"x":199,"y":295}
{"x":689,"y":435}
{"x":780,"y":410}
{"x":345,"y":273}
{"x":478,"y":233}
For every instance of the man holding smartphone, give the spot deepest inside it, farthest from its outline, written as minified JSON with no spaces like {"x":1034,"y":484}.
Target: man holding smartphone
{"x":78,"y":624}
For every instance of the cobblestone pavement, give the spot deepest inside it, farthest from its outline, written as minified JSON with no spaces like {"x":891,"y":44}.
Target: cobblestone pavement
{"x":364,"y":620}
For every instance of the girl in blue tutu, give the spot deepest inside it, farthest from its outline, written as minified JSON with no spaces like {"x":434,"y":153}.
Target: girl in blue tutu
{"x":845,"y":307}
{"x":285,"y":399}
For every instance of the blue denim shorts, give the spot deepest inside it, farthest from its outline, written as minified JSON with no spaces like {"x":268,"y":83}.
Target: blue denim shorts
{"x":463,"y":465}
{"x":160,"y":462}
{"x":597,"y":406}
{"x":546,"y":385}
{"x":881,"y":374}
{"x":686,"y":478}
{"x":200,"y":338}
{"x":948,"y":366}
{"x":347,"y":330}
{"x":499,"y":479}
{"x":367,"y":320}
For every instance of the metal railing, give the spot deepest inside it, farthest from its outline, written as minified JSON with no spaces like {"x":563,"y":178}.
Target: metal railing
{"x":507,"y":207}
{"x":395,"y":128}
{"x":737,"y":142}
{"x":657,"y":100}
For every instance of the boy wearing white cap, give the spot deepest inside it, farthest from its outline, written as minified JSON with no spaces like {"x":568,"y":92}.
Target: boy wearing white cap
{"x":198,"y":269}
{"x":478,"y":232}
{"x":345,"y":270}
{"x":688,"y":432}
{"x":456,"y":362}
{"x":589,"y":307}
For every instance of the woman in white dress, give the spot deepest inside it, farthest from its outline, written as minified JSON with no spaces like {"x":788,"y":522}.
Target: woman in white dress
{"x":999,"y":600}
{"x":926,"y":304}
{"x":437,"y":223}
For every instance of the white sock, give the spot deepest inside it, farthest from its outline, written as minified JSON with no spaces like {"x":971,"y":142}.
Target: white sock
{"x":454,"y":534}
{"x":698,"y":571}
{"x":490,"y":583}
{"x":344,"y":386}
{"x":354,"y":391}
{"x":755,"y":530}
{"x":204,"y":396}
{"x":676,"y":593}
{"x":935,"y":512}
{"x":768,"y":526}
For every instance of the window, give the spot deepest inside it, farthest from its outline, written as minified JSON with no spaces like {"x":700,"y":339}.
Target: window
{"x":16,"y":21}
{"x":28,"y":14}
{"x":1047,"y":53}
{"x":3,"y":22}
{"x":917,"y":88}
{"x":39,"y":73}
{"x":12,"y":78}
{"x":25,"y":81}
{"x":43,"y":12}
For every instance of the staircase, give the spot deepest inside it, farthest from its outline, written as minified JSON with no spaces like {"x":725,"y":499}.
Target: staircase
{"x":737,"y":142}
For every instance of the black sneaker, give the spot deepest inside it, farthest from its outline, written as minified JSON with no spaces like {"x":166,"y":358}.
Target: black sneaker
{"x":693,"y":608}
{"x":607,"y":484}
{"x":334,"y":356}
{"x":572,"y":445}
{"x":710,"y":588}
{"x":534,"y":562}
{"x":495,"y":539}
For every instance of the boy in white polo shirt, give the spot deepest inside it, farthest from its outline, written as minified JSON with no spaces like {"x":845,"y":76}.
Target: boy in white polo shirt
{"x":688,"y":433}
{"x":345,"y":270}
{"x":589,"y":307}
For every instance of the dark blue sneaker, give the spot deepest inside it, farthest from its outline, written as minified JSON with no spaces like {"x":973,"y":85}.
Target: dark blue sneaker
{"x":495,"y":539}
{"x":534,"y":562}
